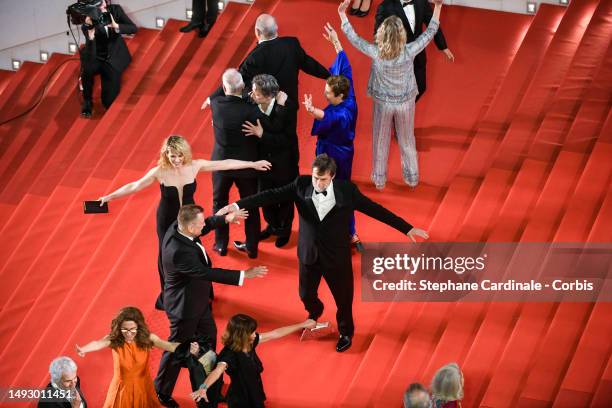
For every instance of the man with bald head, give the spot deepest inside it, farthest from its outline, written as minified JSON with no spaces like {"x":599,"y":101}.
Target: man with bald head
{"x":229,"y":112}
{"x":283,"y":58}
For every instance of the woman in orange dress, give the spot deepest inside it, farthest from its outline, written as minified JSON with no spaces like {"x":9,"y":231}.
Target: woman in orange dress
{"x":131,"y":342}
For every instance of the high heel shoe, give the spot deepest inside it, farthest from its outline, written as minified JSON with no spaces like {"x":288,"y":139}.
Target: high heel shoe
{"x":355,"y":10}
{"x":363,"y":13}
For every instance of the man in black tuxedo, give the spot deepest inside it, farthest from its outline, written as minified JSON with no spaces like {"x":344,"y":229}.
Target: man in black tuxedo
{"x":229,"y":112}
{"x":278,"y":144}
{"x":64,"y":390}
{"x":106,"y":54}
{"x":325,"y":207}
{"x":281,"y":57}
{"x":203,"y":17}
{"x":414,"y":14}
{"x":188,"y":274}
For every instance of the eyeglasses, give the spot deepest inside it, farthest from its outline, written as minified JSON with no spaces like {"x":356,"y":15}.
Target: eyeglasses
{"x":131,"y":331}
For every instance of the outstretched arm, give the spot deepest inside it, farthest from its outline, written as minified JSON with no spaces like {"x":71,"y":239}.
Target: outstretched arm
{"x":380,"y":213}
{"x":209,"y":381}
{"x":309,"y":65}
{"x":283,"y":331}
{"x":439,"y":38}
{"x":425,"y":38}
{"x":267,"y":197}
{"x":358,"y":42}
{"x":132,"y":187}
{"x":93,"y":346}
{"x":163,"y":344}
{"x":231,"y":164}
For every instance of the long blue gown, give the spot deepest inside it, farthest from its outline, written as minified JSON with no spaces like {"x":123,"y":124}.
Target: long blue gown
{"x":336,"y":131}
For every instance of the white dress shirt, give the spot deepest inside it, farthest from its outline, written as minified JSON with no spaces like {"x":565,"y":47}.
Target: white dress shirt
{"x":268,"y":111}
{"x":240,"y":282}
{"x":409,"y":11}
{"x":324,"y":203}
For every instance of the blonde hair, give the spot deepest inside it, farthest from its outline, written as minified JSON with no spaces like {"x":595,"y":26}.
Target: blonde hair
{"x":176,"y":144}
{"x":390,"y":38}
{"x":447,"y":384}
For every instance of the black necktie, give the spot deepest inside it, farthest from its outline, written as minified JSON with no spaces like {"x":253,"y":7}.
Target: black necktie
{"x":322,"y":192}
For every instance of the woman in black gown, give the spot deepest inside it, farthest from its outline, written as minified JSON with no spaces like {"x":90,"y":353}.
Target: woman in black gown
{"x":241,"y":362}
{"x":176,"y":173}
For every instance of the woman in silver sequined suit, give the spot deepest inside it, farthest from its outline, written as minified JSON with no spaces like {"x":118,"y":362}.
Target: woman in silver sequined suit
{"x":393,"y":88}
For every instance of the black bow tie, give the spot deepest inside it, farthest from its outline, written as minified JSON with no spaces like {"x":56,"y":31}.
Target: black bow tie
{"x":321,"y":192}
{"x":406,"y":3}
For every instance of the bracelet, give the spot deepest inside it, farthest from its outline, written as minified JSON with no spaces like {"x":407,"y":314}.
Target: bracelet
{"x":203,"y":386}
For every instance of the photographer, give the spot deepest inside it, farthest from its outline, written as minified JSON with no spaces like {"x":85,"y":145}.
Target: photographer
{"x":105,"y":52}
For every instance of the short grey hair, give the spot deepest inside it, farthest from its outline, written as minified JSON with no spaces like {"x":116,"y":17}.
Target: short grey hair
{"x":232,"y":79}
{"x":266,"y":25}
{"x":59,"y":367}
{"x":447,"y":384}
{"x":266,"y":84}
{"x":416,"y":396}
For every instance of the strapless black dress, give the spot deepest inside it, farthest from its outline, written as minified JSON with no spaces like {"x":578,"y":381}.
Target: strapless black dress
{"x":167,"y":211}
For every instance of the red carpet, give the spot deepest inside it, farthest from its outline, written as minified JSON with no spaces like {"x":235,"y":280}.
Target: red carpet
{"x":514,"y":140}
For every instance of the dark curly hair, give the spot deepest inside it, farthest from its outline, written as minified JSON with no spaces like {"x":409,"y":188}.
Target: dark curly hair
{"x":238,"y":331}
{"x":130,"y":313}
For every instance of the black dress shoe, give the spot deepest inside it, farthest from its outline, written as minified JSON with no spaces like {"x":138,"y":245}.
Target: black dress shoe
{"x":344,"y":343}
{"x":204,"y":30}
{"x":241,"y":246}
{"x":190,"y":27}
{"x":220,"y":251}
{"x":86,"y":109}
{"x":281,"y":241}
{"x":167,"y":401}
{"x":360,"y":13}
{"x":354,"y":10}
{"x":265,"y":234}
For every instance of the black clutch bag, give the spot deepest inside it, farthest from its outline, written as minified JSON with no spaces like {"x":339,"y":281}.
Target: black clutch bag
{"x":94,"y":207}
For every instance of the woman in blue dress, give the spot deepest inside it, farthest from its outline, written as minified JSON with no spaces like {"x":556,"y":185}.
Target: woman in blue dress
{"x":334,"y":126}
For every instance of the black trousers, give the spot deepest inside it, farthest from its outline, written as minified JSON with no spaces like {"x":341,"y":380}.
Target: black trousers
{"x":183,"y":330}
{"x":204,"y":11}
{"x":278,"y":216}
{"x":420,"y":70}
{"x":247,"y":186}
{"x":110,"y":77}
{"x":338,"y":275}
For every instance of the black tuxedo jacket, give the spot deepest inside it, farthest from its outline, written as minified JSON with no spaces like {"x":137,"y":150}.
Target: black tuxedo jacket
{"x":422,"y":13}
{"x":228,"y":114}
{"x":283,"y":58}
{"x":188,"y":275}
{"x":331,"y":234}
{"x":61,"y":404}
{"x":118,"y":54}
{"x":279,"y":142}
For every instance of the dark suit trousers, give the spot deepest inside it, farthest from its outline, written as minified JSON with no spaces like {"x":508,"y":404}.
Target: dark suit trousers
{"x":204,"y":11}
{"x":111,"y":80}
{"x":339,"y":278}
{"x":183,"y":330}
{"x":246,"y":187}
{"x":420,"y":70}
{"x":278,"y":216}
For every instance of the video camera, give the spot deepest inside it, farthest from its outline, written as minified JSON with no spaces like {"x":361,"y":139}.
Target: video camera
{"x":82,"y":9}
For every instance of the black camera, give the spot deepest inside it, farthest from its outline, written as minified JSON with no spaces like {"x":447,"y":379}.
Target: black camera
{"x":82,"y":9}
